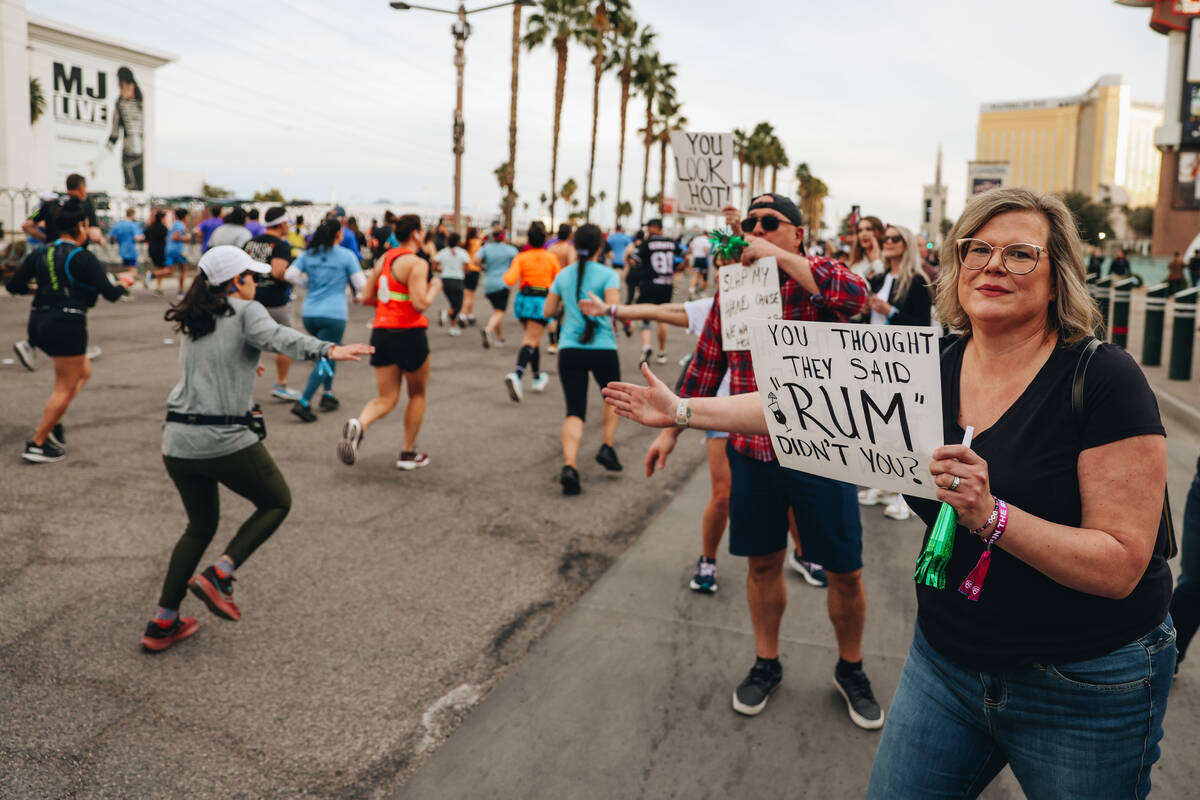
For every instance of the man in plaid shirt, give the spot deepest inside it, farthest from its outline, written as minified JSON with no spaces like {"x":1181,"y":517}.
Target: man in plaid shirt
{"x":762,"y":492}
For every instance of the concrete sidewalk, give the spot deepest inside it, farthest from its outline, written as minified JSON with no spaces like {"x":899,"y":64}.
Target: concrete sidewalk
{"x":629,"y":694}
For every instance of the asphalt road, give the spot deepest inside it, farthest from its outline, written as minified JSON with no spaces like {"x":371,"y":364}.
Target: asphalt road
{"x":386,"y":606}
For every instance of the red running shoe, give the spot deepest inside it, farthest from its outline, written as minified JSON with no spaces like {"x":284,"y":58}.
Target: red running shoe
{"x":217,"y":594}
{"x":157,"y":638}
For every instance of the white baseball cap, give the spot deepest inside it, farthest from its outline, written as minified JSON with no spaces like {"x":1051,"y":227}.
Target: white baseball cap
{"x":225,"y":261}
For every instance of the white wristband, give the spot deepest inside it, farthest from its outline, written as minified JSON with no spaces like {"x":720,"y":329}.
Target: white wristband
{"x":683,"y":414}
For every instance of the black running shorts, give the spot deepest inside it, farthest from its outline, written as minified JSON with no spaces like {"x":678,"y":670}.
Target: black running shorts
{"x":471,"y":280}
{"x":58,"y":333}
{"x":655,"y":293}
{"x":406,"y":348}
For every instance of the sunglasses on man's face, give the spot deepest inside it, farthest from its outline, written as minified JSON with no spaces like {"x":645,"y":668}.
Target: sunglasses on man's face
{"x":768,"y":223}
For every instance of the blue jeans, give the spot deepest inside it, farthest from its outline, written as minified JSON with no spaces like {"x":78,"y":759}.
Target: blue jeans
{"x":1086,"y":729}
{"x":1185,"y":603}
{"x":329,"y":330}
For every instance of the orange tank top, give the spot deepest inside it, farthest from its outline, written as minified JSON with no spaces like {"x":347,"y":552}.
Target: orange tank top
{"x":393,"y":307}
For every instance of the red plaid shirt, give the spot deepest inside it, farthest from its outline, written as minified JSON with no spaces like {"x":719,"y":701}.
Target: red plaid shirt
{"x":842,"y":294}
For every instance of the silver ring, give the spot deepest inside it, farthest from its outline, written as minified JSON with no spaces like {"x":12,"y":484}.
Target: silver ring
{"x":954,"y":484}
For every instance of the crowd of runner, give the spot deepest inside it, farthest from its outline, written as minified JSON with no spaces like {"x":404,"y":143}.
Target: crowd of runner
{"x":568,"y":302}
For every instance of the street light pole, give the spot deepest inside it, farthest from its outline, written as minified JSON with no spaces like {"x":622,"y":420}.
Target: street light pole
{"x":461,"y":30}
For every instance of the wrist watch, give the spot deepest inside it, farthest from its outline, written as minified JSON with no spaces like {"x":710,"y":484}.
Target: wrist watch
{"x":683,"y":414}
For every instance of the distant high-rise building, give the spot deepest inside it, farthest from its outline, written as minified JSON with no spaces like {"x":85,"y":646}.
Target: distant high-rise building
{"x":933,"y":206}
{"x":1100,"y":143}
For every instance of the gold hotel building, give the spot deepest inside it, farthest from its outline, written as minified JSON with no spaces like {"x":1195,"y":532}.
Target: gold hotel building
{"x":1080,"y":143}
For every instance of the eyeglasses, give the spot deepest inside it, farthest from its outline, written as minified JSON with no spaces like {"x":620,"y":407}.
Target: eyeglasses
{"x":894,"y":239}
{"x":768,"y":223}
{"x":1019,"y":259}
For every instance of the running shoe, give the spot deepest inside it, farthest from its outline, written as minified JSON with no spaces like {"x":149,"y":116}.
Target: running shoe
{"x":282,"y":392}
{"x":157,"y":638}
{"x":661,"y":358}
{"x":540,"y":380}
{"x":870,"y":497}
{"x":470,"y":319}
{"x":216,"y":593}
{"x":93,"y":353}
{"x":750,"y":697}
{"x":570,"y":481}
{"x":607,"y":457}
{"x":443,"y":317}
{"x":411,"y":459}
{"x":646,"y":353}
{"x":860,"y":700}
{"x":705,"y":579}
{"x":46,"y":453}
{"x":57,"y":437}
{"x":813,"y":574}
{"x":455,"y":330}
{"x":303,"y":412}
{"x":329,"y":402}
{"x":628,"y":329}
{"x":146,"y":279}
{"x":512,"y":382}
{"x":26,"y":354}
{"x":486,"y":336}
{"x":352,"y":436}
{"x":552,"y":349}
{"x":898,"y":509}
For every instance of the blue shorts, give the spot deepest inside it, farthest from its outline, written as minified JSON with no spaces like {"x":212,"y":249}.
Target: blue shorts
{"x":826,"y":513}
{"x":175,"y":258}
{"x":529,"y":307}
{"x":129,"y":262}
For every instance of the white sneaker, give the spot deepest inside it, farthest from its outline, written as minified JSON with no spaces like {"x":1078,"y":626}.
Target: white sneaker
{"x":281,"y":392}
{"x":442,"y":317}
{"x":513,"y":382}
{"x":870,"y":497}
{"x":552,"y":349}
{"x":93,"y":353}
{"x":898,"y":510}
{"x":455,"y":330}
{"x":26,"y":354}
{"x":540,"y":380}
{"x":661,"y":358}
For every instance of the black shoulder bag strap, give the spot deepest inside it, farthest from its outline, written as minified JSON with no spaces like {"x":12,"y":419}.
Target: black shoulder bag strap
{"x":1166,"y":543}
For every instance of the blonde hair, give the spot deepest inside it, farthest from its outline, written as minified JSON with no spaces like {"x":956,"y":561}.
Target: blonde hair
{"x":1072,"y":312}
{"x":910,"y":265}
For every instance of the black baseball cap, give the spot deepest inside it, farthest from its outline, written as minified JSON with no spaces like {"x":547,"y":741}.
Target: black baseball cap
{"x":781,"y":204}
{"x":654,"y":223}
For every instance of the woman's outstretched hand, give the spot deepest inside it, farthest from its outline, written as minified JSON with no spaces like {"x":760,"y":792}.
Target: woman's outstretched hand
{"x":652,"y":405}
{"x":349,"y":352}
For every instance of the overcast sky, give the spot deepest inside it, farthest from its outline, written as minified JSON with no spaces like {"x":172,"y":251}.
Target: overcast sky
{"x":355,"y":100}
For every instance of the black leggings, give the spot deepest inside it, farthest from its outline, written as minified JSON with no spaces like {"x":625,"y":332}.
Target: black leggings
{"x":250,"y":473}
{"x":453,"y":287}
{"x":574,"y":364}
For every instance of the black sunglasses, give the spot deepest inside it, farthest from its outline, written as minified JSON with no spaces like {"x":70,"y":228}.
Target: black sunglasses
{"x":768,"y":223}
{"x":894,"y":239}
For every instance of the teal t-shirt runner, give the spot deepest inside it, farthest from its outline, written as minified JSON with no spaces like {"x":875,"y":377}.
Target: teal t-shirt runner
{"x":596,"y":278}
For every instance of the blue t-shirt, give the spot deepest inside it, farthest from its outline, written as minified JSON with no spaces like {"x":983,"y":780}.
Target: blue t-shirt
{"x":175,"y":248}
{"x":328,"y":274}
{"x":495,"y":258}
{"x":350,"y":242}
{"x":617,"y":242}
{"x":126,"y":232}
{"x":596,"y":278}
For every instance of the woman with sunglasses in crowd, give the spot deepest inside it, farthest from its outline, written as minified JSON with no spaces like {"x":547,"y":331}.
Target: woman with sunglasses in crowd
{"x":1055,"y":654}
{"x":899,"y":296}
{"x":211,"y":437}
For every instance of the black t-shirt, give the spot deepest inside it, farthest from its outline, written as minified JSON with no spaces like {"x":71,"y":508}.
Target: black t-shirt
{"x":156,"y":241}
{"x":1119,"y":266}
{"x":1032,"y":452}
{"x":67,"y":276}
{"x":656,"y":260}
{"x":271,"y":292}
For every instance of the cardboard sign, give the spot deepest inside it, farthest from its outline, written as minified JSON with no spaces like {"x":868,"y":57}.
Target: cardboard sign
{"x":747,"y":293}
{"x":704,"y":168}
{"x":857,"y":403}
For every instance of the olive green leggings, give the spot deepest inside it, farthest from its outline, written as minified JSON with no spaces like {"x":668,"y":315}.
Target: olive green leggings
{"x":250,"y":473}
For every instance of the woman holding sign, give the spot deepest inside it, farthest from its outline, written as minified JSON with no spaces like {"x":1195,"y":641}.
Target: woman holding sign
{"x":1058,"y":664}
{"x":899,"y":296}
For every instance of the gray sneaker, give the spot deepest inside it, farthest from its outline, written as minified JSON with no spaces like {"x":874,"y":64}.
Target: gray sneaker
{"x":865,"y":711}
{"x":750,"y":697}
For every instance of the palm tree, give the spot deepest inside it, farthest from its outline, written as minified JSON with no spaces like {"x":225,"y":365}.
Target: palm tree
{"x":567,"y":193}
{"x":813,"y":192}
{"x":670,"y":120}
{"x":511,"y":175}
{"x":593,"y":36}
{"x":508,"y":198}
{"x":624,"y":209}
{"x":741,"y":143}
{"x":779,"y":159}
{"x":632,"y":41}
{"x":651,"y":77}
{"x":557,"y":22}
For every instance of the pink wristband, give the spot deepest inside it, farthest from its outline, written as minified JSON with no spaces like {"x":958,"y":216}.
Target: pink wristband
{"x":1001,"y":524}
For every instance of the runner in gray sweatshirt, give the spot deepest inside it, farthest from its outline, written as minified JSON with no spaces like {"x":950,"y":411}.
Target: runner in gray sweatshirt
{"x":212,"y":436}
